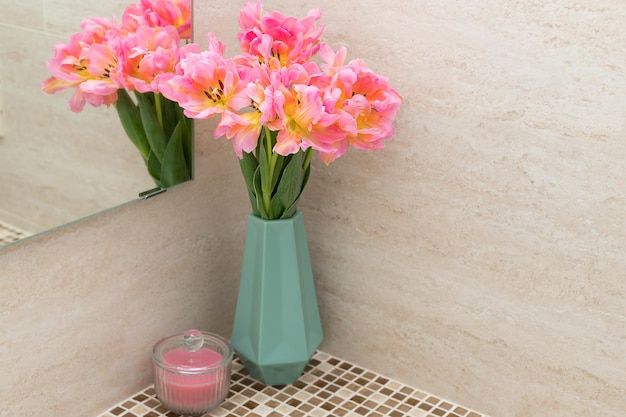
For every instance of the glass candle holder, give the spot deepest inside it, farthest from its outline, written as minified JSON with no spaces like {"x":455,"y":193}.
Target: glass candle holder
{"x":192,"y":372}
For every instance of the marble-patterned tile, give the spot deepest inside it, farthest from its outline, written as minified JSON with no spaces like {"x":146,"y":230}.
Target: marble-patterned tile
{"x":65,"y":16}
{"x":26,"y":14}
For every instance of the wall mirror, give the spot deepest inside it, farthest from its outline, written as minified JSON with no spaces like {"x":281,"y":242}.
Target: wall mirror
{"x":56,"y":166}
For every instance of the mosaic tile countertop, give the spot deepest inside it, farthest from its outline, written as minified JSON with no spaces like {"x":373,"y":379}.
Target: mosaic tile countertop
{"x":328,"y":387}
{"x":9,"y":233}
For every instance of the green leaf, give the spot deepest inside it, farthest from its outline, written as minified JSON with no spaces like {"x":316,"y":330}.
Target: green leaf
{"x":170,"y":115}
{"x":276,"y":207}
{"x":154,"y":132}
{"x":264,"y":194}
{"x":248,"y":165}
{"x":290,"y":185}
{"x":174,"y":166}
{"x":130,"y":118}
{"x":307,"y":175}
{"x":180,"y":114}
{"x":188,"y":144}
{"x":154,"y":168}
{"x":264,"y":166}
{"x":258,"y":204}
{"x":308,"y":154}
{"x":290,"y":211}
{"x":188,"y":131}
{"x":278,"y":171}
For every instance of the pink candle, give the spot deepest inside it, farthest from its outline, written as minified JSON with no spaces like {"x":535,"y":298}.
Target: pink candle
{"x":192,"y":382}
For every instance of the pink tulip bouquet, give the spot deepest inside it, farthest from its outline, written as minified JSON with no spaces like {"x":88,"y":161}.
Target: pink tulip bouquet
{"x":107,"y":61}
{"x":278,"y":105}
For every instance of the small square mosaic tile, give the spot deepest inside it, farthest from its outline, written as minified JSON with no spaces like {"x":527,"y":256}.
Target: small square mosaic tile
{"x":328,"y":387}
{"x":10,"y":234}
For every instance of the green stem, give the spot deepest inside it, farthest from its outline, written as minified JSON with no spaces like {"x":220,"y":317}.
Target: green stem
{"x":308,"y":154}
{"x":158,"y":108}
{"x":266,"y":183}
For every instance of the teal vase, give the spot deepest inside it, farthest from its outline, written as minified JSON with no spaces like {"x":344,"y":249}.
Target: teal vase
{"x":277,"y":326}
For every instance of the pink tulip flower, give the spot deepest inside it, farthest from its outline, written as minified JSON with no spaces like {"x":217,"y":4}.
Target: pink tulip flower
{"x":276,"y":39}
{"x":87,"y":63}
{"x":159,"y":13}
{"x":147,"y":53}
{"x":356,"y":90}
{"x":243,"y":129}
{"x":208,"y":84}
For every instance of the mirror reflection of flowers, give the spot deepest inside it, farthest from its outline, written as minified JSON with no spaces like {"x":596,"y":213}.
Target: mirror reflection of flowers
{"x":278,"y":106}
{"x":107,"y":61}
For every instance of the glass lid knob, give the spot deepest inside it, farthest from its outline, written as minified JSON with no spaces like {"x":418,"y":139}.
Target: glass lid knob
{"x":193,"y":340}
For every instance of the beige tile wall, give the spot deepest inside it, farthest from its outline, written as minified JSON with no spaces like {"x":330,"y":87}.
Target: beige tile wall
{"x":480,"y":256}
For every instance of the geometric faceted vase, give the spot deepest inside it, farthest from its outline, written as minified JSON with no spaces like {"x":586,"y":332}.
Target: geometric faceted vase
{"x":277,"y":326}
